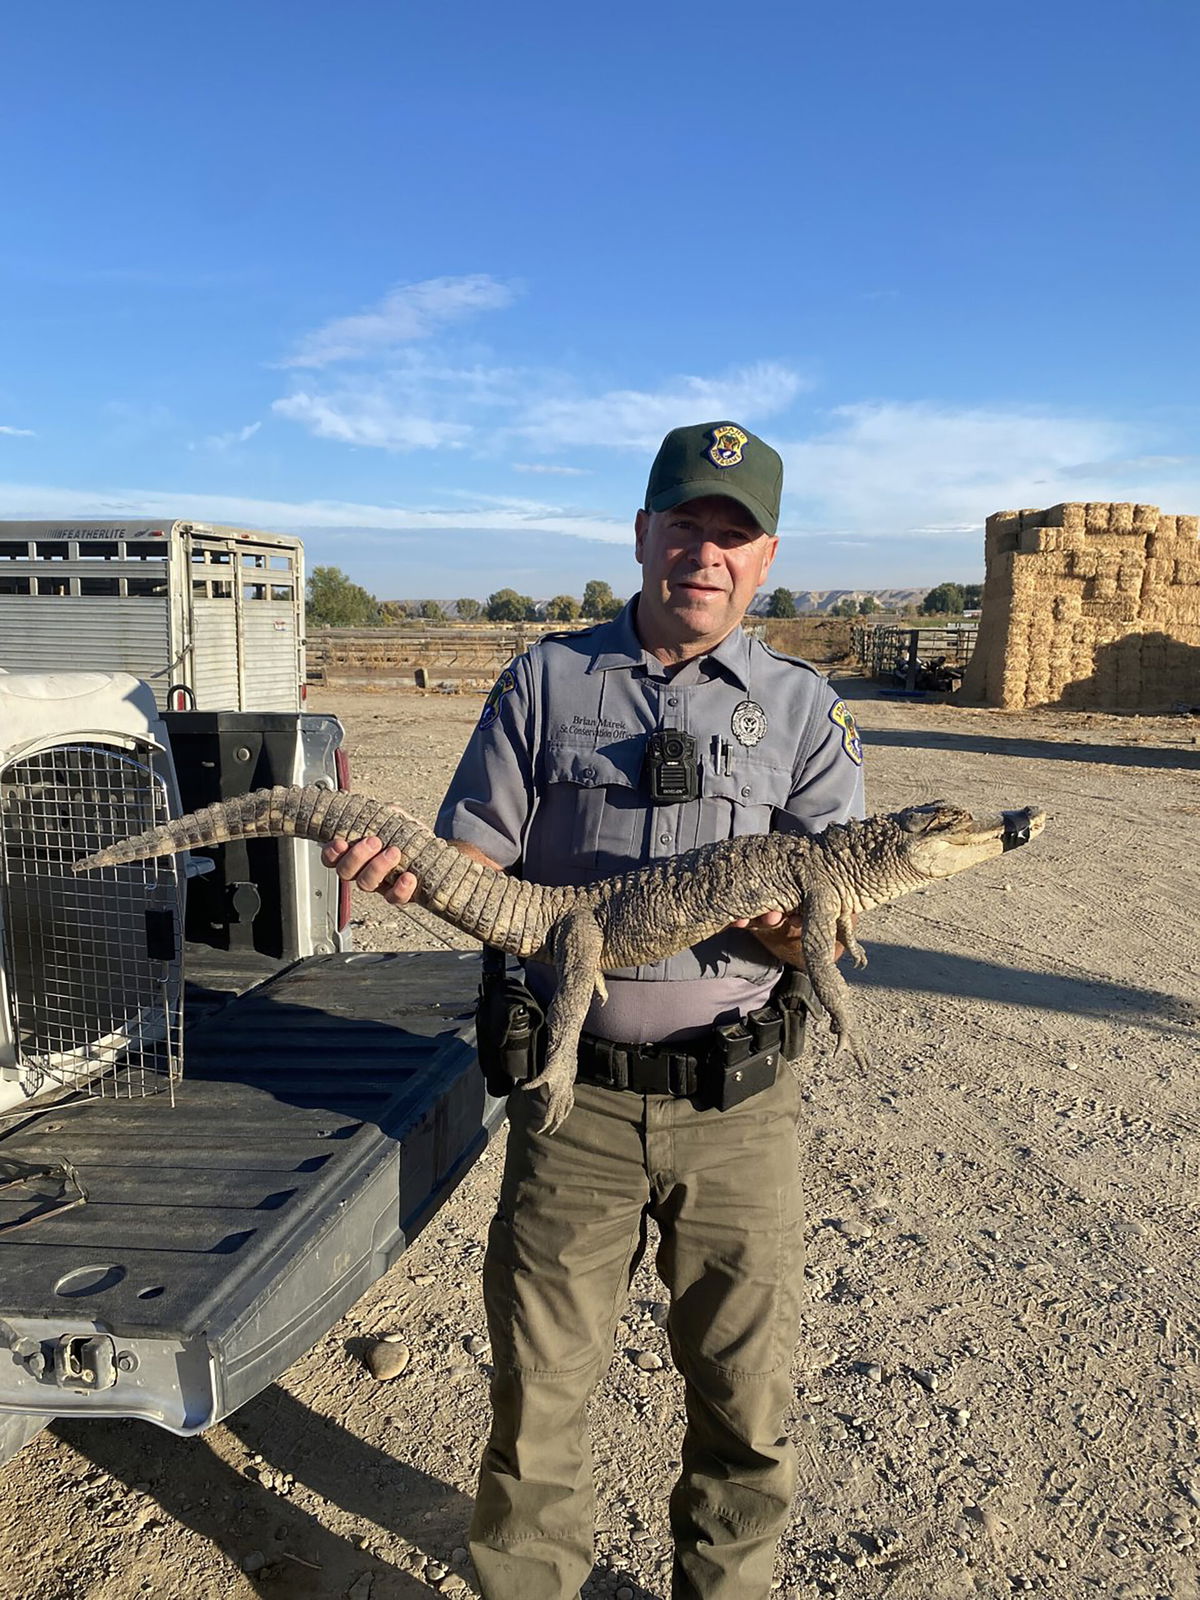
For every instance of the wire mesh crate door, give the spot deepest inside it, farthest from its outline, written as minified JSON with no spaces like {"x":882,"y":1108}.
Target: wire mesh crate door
{"x":94,"y":960}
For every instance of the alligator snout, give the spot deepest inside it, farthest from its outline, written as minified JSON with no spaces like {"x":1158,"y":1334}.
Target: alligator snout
{"x":1021,"y":826}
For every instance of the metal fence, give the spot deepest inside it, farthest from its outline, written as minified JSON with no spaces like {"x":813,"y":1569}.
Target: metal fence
{"x":916,"y":659}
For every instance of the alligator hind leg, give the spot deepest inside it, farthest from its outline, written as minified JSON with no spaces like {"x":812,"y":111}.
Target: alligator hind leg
{"x":823,"y":921}
{"x":576,"y":944}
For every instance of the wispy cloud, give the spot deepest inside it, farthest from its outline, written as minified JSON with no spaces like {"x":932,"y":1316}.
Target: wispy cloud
{"x":410,"y":311}
{"x":227,"y":441}
{"x":18,"y":433}
{"x":283,"y":516}
{"x":894,"y":470}
{"x":545,"y":466}
{"x":636,"y":419}
{"x":423,"y":404}
{"x":370,"y":417}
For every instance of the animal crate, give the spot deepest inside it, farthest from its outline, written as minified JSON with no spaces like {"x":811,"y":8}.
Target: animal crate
{"x":90,"y":964}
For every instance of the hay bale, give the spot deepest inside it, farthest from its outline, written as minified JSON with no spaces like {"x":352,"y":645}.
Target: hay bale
{"x":1158,"y":573}
{"x":1001,"y":534}
{"x":1096,"y":516}
{"x":1067,"y":587}
{"x":1083,"y":563}
{"x":1121,"y":517}
{"x":1129,"y":579}
{"x":1071,"y":516}
{"x":1034,"y":539}
{"x":1128,"y":657}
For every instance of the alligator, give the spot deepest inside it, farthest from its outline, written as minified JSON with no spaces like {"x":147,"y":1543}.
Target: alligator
{"x":634,"y":917}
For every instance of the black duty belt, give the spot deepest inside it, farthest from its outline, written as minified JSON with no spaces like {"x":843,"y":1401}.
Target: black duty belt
{"x":719,"y":1068}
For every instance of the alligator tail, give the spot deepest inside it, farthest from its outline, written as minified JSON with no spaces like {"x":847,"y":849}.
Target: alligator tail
{"x":478,"y":901}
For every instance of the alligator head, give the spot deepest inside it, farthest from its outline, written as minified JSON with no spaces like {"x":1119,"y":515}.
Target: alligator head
{"x":940,"y":839}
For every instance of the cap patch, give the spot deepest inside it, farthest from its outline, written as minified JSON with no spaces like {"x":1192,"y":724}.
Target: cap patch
{"x":842,"y":717}
{"x":726,"y":447}
{"x":503,"y":685}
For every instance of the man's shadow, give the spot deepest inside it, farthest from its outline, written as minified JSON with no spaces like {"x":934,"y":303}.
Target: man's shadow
{"x":239,"y":1515}
{"x":305,"y":1559}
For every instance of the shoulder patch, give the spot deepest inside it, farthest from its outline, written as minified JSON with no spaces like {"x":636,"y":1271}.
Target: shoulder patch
{"x":842,"y":717}
{"x":504,"y":684}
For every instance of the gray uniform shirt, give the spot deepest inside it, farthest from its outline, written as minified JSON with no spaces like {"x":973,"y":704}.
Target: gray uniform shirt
{"x":551,"y":785}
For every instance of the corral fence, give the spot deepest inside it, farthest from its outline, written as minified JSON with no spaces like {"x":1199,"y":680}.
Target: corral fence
{"x":448,"y":658}
{"x":915,"y":659}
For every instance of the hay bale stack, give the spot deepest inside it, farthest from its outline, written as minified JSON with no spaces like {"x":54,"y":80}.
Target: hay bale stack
{"x":1089,"y":604}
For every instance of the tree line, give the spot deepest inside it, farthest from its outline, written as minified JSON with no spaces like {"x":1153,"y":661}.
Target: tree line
{"x":334,"y":601}
{"x":946,"y":599}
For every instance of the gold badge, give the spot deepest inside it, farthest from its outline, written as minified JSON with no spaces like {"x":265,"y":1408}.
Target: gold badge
{"x":841,"y":715}
{"x":726,"y":447}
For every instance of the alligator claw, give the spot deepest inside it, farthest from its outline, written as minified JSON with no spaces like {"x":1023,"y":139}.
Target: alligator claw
{"x":558,"y":1099}
{"x":849,"y":1044}
{"x":556,"y":1107}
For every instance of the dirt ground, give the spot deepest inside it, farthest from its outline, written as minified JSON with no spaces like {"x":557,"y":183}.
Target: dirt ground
{"x":996,"y":1386}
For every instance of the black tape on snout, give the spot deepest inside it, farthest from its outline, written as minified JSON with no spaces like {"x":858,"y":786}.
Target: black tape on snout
{"x":1017,"y":826}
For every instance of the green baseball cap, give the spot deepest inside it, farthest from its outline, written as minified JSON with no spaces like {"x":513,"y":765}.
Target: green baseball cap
{"x":717,"y":458}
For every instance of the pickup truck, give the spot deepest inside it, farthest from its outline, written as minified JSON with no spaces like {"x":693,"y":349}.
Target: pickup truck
{"x":329,"y":1105}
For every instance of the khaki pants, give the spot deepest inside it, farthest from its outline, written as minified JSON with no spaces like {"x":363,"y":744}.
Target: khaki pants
{"x":723,"y":1187}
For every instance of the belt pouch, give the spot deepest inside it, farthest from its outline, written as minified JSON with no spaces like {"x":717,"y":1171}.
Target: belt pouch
{"x":509,"y":1031}
{"x":794,"y":997}
{"x":739,"y":1069}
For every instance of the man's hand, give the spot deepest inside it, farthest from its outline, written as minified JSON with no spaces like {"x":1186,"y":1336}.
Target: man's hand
{"x":366,"y":864}
{"x":780,"y":932}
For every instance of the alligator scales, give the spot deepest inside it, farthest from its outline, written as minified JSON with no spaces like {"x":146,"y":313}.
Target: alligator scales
{"x":635,"y":917}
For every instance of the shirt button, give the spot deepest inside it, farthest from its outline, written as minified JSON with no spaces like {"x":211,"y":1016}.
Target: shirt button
{"x":588,"y":774}
{"x":746,"y":791}
{"x":673,"y":700}
{"x":664,"y":838}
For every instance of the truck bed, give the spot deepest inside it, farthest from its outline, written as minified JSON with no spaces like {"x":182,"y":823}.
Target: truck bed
{"x":325,"y":1114}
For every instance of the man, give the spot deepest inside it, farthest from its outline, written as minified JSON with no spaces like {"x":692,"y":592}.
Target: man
{"x":597,"y":752}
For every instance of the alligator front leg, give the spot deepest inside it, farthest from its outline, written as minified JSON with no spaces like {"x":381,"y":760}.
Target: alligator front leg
{"x":575,"y":944}
{"x":823,"y":922}
{"x":847,"y":940}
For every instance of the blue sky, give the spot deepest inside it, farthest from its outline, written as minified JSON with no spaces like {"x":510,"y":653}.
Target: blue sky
{"x":428,"y":283}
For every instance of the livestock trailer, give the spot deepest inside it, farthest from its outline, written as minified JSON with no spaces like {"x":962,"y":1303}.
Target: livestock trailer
{"x":209,"y":616}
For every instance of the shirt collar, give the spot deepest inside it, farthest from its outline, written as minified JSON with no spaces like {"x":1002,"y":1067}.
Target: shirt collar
{"x":619,"y":646}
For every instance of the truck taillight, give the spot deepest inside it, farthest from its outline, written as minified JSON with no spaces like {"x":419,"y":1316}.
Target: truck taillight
{"x":341,"y":768}
{"x":303,"y":694}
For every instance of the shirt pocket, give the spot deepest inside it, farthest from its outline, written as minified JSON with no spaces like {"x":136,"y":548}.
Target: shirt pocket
{"x":742,"y":800}
{"x":595,"y":812}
